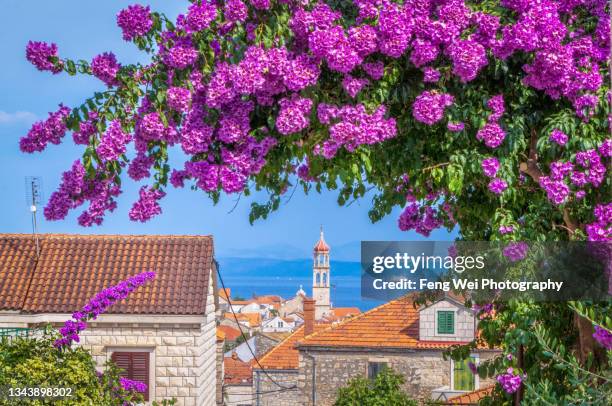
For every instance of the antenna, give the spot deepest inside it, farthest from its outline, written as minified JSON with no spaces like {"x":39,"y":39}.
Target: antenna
{"x":33,"y":194}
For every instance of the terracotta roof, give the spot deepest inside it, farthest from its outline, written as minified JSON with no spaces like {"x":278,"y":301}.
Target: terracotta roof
{"x":342,"y":312}
{"x":393,"y":325}
{"x":73,"y":268}
{"x":321,"y":245}
{"x":230,"y":333}
{"x":253,"y":318}
{"x":471,"y":398}
{"x":237,"y":316}
{"x":236,"y":372}
{"x":285,"y":355}
{"x":268,"y":299}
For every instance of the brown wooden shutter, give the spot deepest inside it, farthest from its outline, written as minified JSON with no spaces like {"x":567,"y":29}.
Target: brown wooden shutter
{"x":135,"y":366}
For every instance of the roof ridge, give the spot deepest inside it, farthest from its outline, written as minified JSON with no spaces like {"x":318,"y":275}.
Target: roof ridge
{"x":261,"y":360}
{"x":357,"y":317}
{"x":68,"y":235}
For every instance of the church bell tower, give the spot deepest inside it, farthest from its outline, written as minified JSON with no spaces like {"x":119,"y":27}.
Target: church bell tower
{"x":320,"y":278}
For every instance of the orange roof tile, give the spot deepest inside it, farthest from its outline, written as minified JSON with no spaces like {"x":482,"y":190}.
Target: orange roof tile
{"x":236,"y":372}
{"x":471,"y":398}
{"x":253,"y":318}
{"x":74,"y":268}
{"x":236,"y":316}
{"x":268,"y":299}
{"x":342,"y":312}
{"x":393,"y":325}
{"x":225,"y":293}
{"x":285,"y":355}
{"x":230,"y":333}
{"x":220,"y":335}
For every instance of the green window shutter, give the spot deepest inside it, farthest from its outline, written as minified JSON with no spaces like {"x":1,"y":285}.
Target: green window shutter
{"x":446,"y":322}
{"x":463,"y":378}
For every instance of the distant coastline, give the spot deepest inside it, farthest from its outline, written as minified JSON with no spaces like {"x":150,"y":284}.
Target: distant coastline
{"x":266,"y":276}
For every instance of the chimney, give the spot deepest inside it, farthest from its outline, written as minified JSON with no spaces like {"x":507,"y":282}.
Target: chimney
{"x":309,"y":316}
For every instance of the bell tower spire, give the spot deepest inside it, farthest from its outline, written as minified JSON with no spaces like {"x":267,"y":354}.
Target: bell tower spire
{"x":321,"y":278}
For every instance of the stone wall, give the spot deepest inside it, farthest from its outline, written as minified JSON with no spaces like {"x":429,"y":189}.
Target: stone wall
{"x":237,"y":395}
{"x":424,"y":371}
{"x":267,"y":393}
{"x":464,"y":323}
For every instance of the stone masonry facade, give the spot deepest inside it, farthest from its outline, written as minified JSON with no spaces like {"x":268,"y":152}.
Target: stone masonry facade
{"x":276,"y":395}
{"x":424,"y":371}
{"x":182,"y":360}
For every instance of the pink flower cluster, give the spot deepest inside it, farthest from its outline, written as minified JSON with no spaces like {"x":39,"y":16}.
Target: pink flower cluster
{"x":132,"y":386}
{"x":559,"y":137}
{"x":43,"y":132}
{"x":105,"y":68}
{"x":135,"y":21}
{"x":515,"y":251}
{"x":41,"y":55}
{"x":601,"y":229}
{"x":492,"y":133}
{"x":428,"y":107}
{"x":603,"y":337}
{"x":510,"y":382}
{"x":147,"y":205}
{"x":76,"y":189}
{"x":589,"y":169}
{"x":113,"y":142}
{"x":352,"y":126}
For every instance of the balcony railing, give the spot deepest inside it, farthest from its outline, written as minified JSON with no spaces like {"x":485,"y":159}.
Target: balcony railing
{"x":15,"y":332}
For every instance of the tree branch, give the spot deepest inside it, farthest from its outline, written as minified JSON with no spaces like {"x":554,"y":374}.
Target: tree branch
{"x":531,"y":168}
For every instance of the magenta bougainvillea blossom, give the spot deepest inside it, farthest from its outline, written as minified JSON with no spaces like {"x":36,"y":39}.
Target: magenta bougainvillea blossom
{"x":603,"y":337}
{"x":98,"y":305}
{"x":105,"y":68}
{"x":490,"y":166}
{"x":135,"y":21}
{"x":515,"y":251}
{"x":510,"y":381}
{"x":51,"y":130}
{"x":498,"y":186}
{"x":429,"y":107}
{"x":132,"y":385}
{"x":41,"y":55}
{"x":558,"y":137}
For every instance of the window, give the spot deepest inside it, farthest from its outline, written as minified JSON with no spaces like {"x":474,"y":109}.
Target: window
{"x":135,"y":366}
{"x":279,"y":324}
{"x":446,"y":322}
{"x":463,"y":378}
{"x":374,"y":368}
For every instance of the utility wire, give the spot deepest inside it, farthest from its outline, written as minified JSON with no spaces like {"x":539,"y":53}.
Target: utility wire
{"x":246,"y":341}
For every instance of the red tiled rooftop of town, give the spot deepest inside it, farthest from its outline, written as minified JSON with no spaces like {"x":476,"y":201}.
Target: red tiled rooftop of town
{"x":72,"y":269}
{"x":236,"y":372}
{"x":285,"y":355}
{"x":229,"y":333}
{"x":393,"y":325}
{"x":471,"y":398}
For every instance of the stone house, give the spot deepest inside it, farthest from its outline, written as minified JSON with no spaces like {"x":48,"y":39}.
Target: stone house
{"x":409,"y":339}
{"x":163,"y":334}
{"x":237,"y":382}
{"x":277,"y":324}
{"x":276,"y":376}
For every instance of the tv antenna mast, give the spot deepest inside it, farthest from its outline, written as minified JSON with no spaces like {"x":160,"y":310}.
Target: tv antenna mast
{"x":33,"y":194}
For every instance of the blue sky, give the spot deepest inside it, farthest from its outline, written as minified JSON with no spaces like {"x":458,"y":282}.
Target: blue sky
{"x":82,"y":30}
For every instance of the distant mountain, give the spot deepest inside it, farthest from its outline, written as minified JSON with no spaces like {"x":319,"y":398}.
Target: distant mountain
{"x":277,"y":251}
{"x":278,"y":268}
